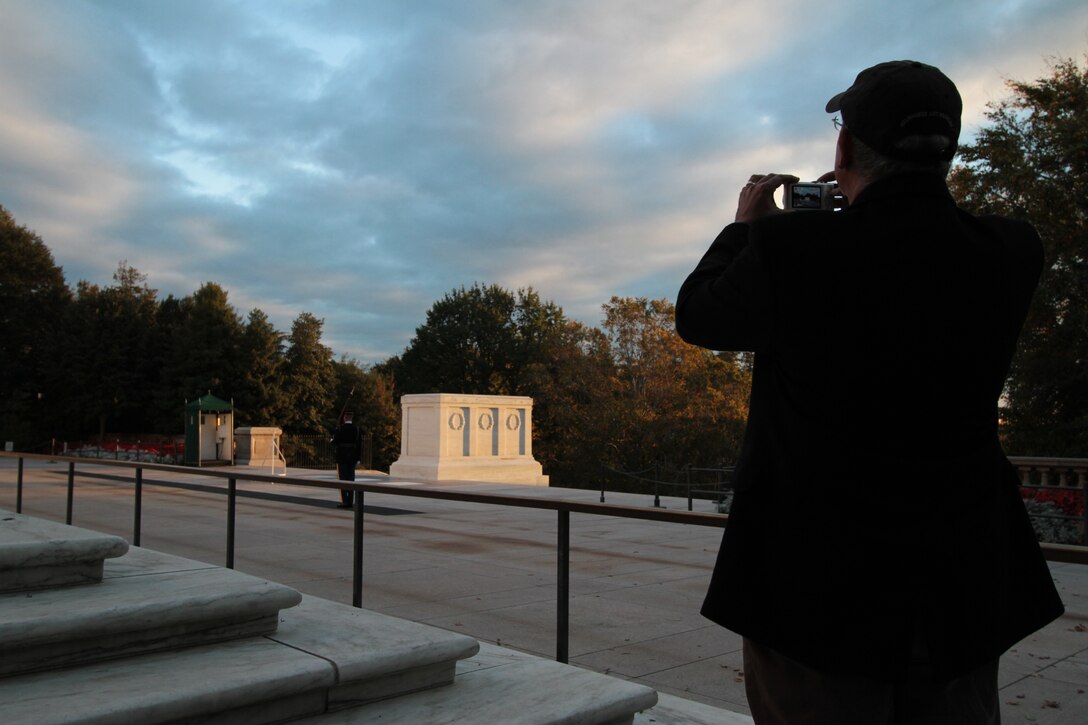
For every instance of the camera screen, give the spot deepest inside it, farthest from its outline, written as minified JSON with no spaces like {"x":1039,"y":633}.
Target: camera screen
{"x":806,"y":196}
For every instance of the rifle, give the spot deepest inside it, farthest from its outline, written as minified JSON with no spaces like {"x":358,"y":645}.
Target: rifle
{"x":340,"y":418}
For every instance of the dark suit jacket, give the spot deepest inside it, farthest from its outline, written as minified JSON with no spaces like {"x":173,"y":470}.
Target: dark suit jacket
{"x":873,"y":496}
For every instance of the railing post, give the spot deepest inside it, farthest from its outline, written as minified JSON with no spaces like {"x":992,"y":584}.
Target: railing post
{"x":562,"y":628}
{"x":232,"y":490}
{"x":1084,"y":503}
{"x":138,"y":507}
{"x":71,"y":491}
{"x":19,"y":489}
{"x":687,"y":473}
{"x":357,"y":558}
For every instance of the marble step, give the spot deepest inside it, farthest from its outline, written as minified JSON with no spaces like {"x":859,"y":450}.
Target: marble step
{"x":323,"y":656}
{"x":672,"y":710}
{"x":513,"y":688}
{"x":163,"y":639}
{"x":36,"y":554}
{"x":146,"y":602}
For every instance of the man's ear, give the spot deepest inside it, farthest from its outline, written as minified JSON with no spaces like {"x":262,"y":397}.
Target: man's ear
{"x":844,"y":150}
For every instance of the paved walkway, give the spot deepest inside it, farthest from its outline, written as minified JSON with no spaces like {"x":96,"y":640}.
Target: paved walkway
{"x":490,"y":572}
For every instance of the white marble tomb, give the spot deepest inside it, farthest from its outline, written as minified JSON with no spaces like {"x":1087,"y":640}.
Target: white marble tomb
{"x":446,"y":436}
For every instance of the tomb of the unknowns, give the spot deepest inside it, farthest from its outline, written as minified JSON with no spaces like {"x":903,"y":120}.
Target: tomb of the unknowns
{"x":446,"y":436}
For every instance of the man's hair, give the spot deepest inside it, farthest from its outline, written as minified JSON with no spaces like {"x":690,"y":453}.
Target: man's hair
{"x":873,"y":165}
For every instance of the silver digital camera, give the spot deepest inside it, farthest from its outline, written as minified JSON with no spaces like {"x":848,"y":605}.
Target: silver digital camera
{"x":808,"y":195}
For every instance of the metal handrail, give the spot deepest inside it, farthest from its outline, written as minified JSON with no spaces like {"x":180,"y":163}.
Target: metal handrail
{"x":277,"y":457}
{"x":684,"y":471}
{"x":563,"y":509}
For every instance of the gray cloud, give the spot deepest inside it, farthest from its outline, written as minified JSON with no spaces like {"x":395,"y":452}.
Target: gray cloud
{"x":359,"y":160}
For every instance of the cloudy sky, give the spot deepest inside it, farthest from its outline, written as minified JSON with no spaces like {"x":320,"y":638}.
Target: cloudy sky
{"x":358,"y":159}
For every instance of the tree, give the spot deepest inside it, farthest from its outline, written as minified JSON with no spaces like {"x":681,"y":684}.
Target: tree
{"x":678,"y":402}
{"x":32,"y":291}
{"x":108,"y":352}
{"x":205,"y":346}
{"x":1031,"y":163}
{"x":463,"y":347}
{"x":167,"y":402}
{"x":477,"y":341}
{"x":575,"y":389}
{"x":259,"y":395}
{"x":309,"y":380}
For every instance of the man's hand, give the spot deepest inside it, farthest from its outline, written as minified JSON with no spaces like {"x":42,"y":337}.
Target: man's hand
{"x":841,"y":202}
{"x":757,"y":196}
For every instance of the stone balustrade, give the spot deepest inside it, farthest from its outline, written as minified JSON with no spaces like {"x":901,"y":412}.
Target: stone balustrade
{"x":1048,"y":471}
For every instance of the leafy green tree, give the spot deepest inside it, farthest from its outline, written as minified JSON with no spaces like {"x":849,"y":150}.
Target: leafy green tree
{"x":166,"y":400}
{"x":1031,"y":163}
{"x":108,"y":353}
{"x":309,"y":380}
{"x":205,"y":346}
{"x":32,"y":292}
{"x":477,"y":341}
{"x":259,"y":393}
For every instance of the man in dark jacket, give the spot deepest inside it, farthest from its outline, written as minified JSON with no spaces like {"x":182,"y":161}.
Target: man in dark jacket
{"x":348,"y":443}
{"x":878,"y":558}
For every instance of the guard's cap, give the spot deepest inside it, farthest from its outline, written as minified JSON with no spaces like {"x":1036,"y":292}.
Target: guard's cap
{"x":897,"y":99}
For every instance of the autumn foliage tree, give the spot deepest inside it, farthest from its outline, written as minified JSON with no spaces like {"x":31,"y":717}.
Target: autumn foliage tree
{"x":680,"y":402}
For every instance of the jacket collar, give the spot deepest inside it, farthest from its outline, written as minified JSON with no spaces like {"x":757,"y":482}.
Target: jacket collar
{"x":904,"y":185}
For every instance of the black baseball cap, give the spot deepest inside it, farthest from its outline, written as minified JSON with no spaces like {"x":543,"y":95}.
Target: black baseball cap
{"x":901,"y":98}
